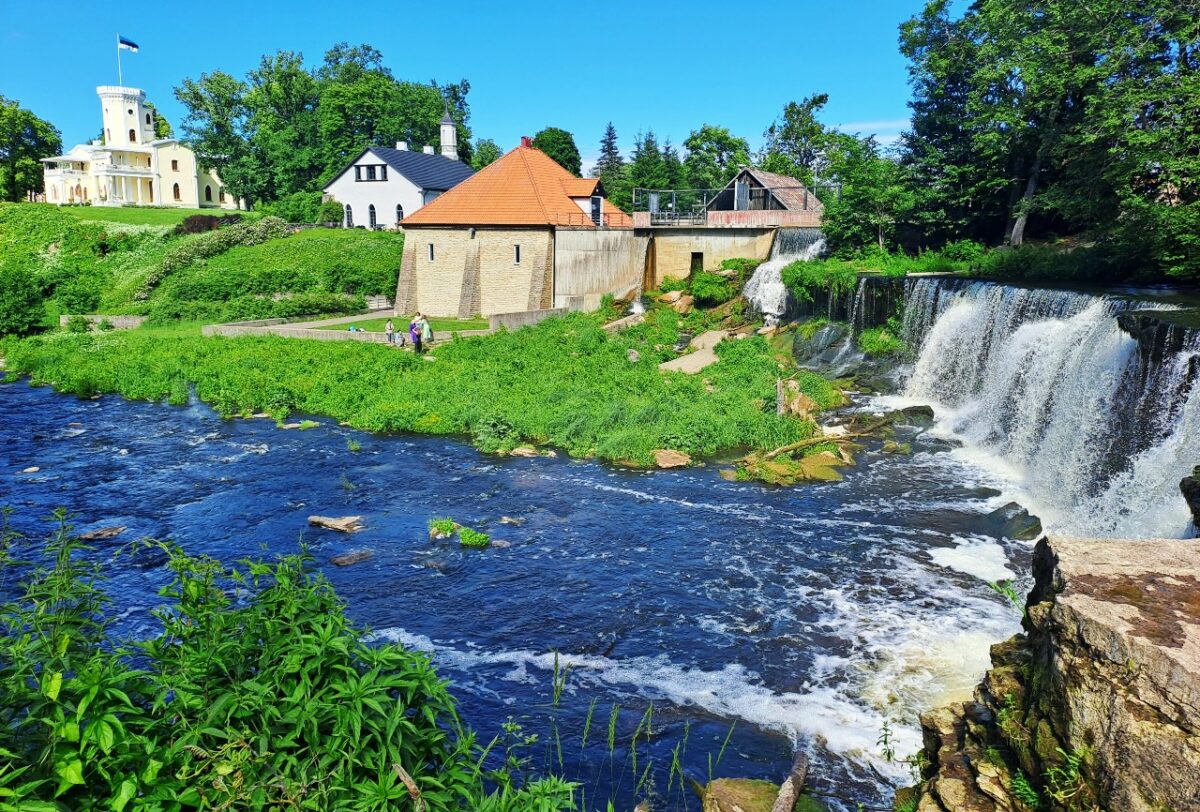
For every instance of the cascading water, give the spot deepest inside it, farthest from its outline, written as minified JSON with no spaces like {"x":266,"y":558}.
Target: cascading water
{"x":766,"y":291}
{"x":1045,"y":387}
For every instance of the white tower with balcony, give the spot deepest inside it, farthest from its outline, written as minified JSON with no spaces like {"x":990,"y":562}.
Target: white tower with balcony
{"x":449,"y":136}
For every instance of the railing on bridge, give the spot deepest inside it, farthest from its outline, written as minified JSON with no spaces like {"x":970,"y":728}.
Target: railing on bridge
{"x":670,"y":207}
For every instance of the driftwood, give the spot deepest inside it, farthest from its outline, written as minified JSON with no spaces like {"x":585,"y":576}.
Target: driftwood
{"x":104,"y":533}
{"x":344,"y":524}
{"x":841,"y":439}
{"x":414,"y":791}
{"x":792,"y":786}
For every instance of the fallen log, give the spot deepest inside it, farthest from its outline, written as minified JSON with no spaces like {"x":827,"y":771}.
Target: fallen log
{"x":792,"y":786}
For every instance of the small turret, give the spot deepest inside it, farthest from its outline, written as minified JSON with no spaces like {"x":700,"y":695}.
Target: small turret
{"x":449,"y":135}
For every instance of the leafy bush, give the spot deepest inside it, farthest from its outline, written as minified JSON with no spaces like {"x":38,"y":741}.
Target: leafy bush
{"x":473,"y":538}
{"x":105,"y":326}
{"x":210,"y":244}
{"x":298,"y":207}
{"x":201,"y":223}
{"x":444,"y":527}
{"x":806,"y":278}
{"x":742,"y":265}
{"x":670,"y":283}
{"x":1038,"y":262}
{"x":963,"y":251}
{"x":256,"y":692}
{"x":880,"y":342}
{"x":331,"y":212}
{"x":21,"y":307}
{"x":245,"y":308}
{"x":79,"y":324}
{"x":710,"y":290}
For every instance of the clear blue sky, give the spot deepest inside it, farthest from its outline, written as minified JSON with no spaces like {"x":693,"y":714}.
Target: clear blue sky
{"x":576,"y":65}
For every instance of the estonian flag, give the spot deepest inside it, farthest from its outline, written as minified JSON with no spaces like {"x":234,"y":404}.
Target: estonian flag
{"x":127,"y":44}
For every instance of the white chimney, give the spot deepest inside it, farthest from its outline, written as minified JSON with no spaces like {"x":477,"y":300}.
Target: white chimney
{"x":427,"y":149}
{"x":402,"y":145}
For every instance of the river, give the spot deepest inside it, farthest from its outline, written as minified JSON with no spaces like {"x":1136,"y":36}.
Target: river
{"x":799,"y":618}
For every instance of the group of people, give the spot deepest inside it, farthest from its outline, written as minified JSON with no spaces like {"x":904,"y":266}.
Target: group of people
{"x":420,"y":333}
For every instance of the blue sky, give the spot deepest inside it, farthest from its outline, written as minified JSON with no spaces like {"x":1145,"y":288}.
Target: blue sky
{"x":576,"y":65}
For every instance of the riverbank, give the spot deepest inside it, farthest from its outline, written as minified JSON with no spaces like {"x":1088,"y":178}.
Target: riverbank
{"x":565,"y":383}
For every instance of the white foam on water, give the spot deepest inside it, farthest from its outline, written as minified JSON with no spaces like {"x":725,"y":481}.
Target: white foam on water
{"x":979,"y":557}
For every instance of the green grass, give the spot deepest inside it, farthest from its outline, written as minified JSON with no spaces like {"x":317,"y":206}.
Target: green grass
{"x":401,"y":324}
{"x":565,"y":383}
{"x":140,"y":216}
{"x":473,"y":538}
{"x":443,"y":527}
{"x":880,"y":342}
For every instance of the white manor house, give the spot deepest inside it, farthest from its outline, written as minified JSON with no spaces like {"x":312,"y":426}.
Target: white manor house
{"x":130,"y":166}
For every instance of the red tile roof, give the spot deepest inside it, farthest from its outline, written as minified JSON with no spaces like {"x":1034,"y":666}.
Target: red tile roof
{"x":524,"y":188}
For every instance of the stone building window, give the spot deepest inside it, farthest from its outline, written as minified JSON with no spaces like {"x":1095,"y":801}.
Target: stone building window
{"x":174,"y":165}
{"x":221,"y":195}
{"x":175,"y":191}
{"x":371,"y":215}
{"x":517,"y":254}
{"x":349,"y":216}
{"x":431,"y":252}
{"x":208,"y":193}
{"x":132,"y":136}
{"x":399,"y":212}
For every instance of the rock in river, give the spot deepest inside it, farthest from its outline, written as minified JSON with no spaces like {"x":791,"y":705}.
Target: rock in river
{"x":353,"y":557}
{"x":1190,"y":487}
{"x":665,"y":458}
{"x":101,"y":534}
{"x":1015,"y":522}
{"x":344,"y":524}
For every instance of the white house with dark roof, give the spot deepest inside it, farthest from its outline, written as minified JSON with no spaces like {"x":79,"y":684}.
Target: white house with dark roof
{"x":383,"y":185}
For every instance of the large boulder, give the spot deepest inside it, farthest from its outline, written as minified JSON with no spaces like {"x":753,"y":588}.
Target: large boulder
{"x":666,"y":458}
{"x":1014,"y":521}
{"x":817,"y":348}
{"x":1190,"y":487}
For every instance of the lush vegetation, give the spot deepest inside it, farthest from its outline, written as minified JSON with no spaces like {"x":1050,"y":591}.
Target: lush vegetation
{"x":140,"y":215}
{"x":24,"y":140}
{"x":881,"y":342}
{"x":560,"y":145}
{"x":124,"y":264}
{"x":473,"y":538}
{"x":254,"y":692}
{"x":287,"y":128}
{"x":564,"y":382}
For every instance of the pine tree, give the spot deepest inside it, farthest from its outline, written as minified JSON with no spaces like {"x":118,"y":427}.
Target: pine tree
{"x":610,"y":160}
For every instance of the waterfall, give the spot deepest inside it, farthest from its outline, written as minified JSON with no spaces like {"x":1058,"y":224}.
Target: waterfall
{"x":1045,"y":387}
{"x":765,"y":291}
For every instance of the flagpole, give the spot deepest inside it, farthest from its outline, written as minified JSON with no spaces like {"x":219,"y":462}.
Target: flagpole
{"x":120,"y":78}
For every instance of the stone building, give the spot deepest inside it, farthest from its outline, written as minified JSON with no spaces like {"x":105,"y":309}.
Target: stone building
{"x":521,"y":234}
{"x":129,"y":166}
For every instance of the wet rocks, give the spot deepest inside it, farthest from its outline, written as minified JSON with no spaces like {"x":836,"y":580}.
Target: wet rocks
{"x":739,"y":795}
{"x":666,"y":458}
{"x":343,"y":524}
{"x":33,"y":469}
{"x":816,"y":348}
{"x":633,"y":355}
{"x":1095,"y":706}
{"x":1015,"y":522}
{"x":524,"y":451}
{"x":918,"y":416}
{"x":511,"y":521}
{"x":1189,"y":486}
{"x":351,"y":558}
{"x":102,"y":534}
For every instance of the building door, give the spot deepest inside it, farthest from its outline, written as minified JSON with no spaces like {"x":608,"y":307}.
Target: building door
{"x":697,"y":262}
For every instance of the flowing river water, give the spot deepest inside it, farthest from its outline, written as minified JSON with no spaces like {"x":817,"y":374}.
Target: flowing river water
{"x":806,"y":618}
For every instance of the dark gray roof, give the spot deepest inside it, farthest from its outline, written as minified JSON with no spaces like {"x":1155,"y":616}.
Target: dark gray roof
{"x":432,"y":172}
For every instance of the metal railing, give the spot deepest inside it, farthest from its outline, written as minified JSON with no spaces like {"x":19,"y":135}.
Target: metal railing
{"x":674,"y":206}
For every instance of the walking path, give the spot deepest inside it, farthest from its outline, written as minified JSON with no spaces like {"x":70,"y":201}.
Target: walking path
{"x":703,"y":356}
{"x":313,"y":329}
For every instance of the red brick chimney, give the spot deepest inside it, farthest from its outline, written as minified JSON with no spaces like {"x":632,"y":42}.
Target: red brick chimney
{"x":526,"y":141}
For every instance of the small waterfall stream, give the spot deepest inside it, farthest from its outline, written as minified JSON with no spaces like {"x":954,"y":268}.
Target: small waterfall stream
{"x":766,"y":291}
{"x":1046,"y":389}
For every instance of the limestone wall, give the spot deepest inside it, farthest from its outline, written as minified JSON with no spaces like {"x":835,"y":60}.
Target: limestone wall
{"x":478,"y":271}
{"x":673,"y":248}
{"x":589,"y":263}
{"x":1097,"y":705}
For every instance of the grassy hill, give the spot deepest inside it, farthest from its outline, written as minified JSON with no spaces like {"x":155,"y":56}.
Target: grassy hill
{"x":125,"y":260}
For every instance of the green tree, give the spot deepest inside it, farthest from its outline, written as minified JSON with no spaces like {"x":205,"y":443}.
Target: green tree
{"x":24,"y":140}
{"x":874,"y":199}
{"x":648,"y":169}
{"x":560,"y":145}
{"x":795,"y":145}
{"x":21,"y":308}
{"x":486,"y":152}
{"x":282,"y":124}
{"x":713,"y":157}
{"x":610,"y":160}
{"x":217,"y":127}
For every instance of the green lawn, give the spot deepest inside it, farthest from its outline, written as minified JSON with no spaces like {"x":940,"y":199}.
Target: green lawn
{"x":143,"y":216}
{"x":440,"y":325}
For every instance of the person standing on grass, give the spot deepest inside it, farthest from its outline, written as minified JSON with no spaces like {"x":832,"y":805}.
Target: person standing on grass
{"x":426,"y":330}
{"x":390,"y":331}
{"x":414,"y":333}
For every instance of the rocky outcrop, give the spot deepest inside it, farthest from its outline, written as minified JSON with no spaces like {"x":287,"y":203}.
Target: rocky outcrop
{"x":1096,"y":706}
{"x":1189,"y":486}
